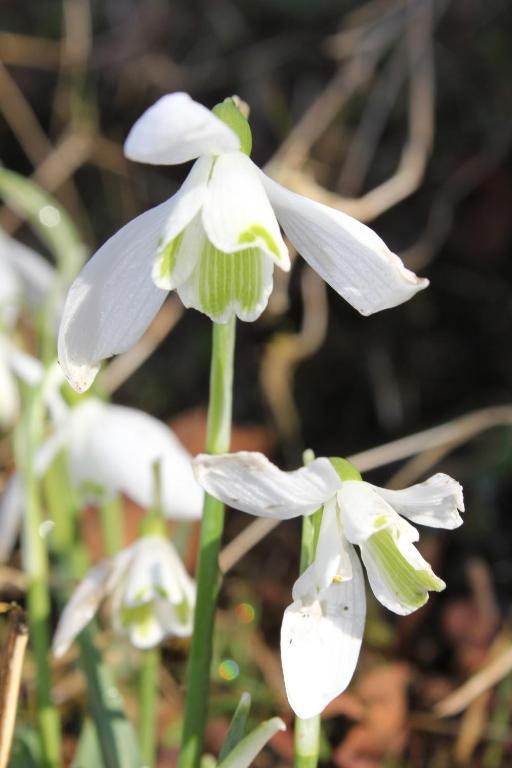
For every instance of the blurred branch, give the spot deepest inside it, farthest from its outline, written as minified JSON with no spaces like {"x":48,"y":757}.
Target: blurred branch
{"x":11,"y":666}
{"x":450,"y":435}
{"x":285,"y":351}
{"x":27,"y":51}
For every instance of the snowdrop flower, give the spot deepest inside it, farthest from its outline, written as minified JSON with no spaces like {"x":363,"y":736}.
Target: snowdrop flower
{"x":322,"y":629}
{"x":216,"y":241}
{"x":152,"y":596}
{"x":113,"y":449}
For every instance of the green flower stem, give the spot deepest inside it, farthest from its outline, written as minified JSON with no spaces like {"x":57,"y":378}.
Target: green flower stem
{"x":208,"y":576}
{"x":148,"y":695}
{"x":35,"y":559}
{"x":111,"y":520}
{"x":307,"y":732}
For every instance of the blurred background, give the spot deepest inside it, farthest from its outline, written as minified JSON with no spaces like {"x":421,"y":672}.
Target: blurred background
{"x":398,"y":113}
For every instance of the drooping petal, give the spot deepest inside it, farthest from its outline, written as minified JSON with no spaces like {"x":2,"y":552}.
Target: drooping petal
{"x":399,"y":576}
{"x":237,"y":213}
{"x":177,"y":129}
{"x":82,"y":606}
{"x":436,"y":502}
{"x":116,"y":447}
{"x":113,"y":299}
{"x":227,"y":284}
{"x":364,"y":512}
{"x":348,"y":255}
{"x":320,"y":643}
{"x":251,"y":483}
{"x":12,"y":503}
{"x":181,"y":239}
{"x":332,"y":558}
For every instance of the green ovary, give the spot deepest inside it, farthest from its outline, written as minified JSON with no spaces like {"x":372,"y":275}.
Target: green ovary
{"x":230,"y":278}
{"x":410,"y":585}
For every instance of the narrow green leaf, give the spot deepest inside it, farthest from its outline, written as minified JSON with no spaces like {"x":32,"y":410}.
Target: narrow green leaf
{"x":247,"y":749}
{"x":116,"y":736}
{"x":88,"y":752}
{"x":237,"y":726}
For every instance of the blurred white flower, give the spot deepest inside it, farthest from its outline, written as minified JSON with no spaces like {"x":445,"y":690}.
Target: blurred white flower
{"x":152,"y":596}
{"x":215,"y":241}
{"x":323,"y":627}
{"x":14,"y":365}
{"x":113,"y":449}
{"x":110,"y":449}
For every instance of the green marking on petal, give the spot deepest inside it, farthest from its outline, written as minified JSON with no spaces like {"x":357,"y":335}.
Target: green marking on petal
{"x":344,"y":469}
{"x":255,"y":232}
{"x":141,"y":615}
{"x":167,"y":255}
{"x":229,"y":113}
{"x":229,"y":278}
{"x":380,"y":521}
{"x":411,"y":586}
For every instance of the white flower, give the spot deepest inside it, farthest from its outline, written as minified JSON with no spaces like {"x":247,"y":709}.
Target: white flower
{"x":215,"y":241}
{"x":323,"y":627}
{"x":113,"y":449}
{"x":14,"y":364}
{"x":152,"y":596}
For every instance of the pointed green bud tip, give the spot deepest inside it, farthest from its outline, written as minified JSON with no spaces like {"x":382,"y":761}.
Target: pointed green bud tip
{"x":153,"y":525}
{"x":344,"y":469}
{"x":229,"y":111}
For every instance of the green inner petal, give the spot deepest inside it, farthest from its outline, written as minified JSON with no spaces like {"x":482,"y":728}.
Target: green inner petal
{"x":141,"y":615}
{"x":227,"y":278}
{"x":410,"y":585}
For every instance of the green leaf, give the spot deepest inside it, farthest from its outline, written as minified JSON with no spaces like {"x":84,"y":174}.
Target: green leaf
{"x":247,"y":749}
{"x":88,"y":752}
{"x":237,"y":726}
{"x":116,"y":736}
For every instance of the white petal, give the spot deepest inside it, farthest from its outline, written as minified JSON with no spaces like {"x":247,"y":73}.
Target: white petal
{"x":179,"y":233}
{"x":113,"y":299}
{"x":12,"y":504}
{"x":116,"y":447}
{"x":251,"y":483}
{"x":332,"y":557}
{"x":9,"y":396}
{"x":364,"y":512}
{"x":82,"y":606}
{"x":177,"y":129}
{"x":148,"y":632}
{"x":34,"y":271}
{"x":436,"y":502}
{"x":10,"y":293}
{"x":237,"y":213}
{"x":226,"y":284}
{"x":320,"y":644}
{"x":349,"y":256}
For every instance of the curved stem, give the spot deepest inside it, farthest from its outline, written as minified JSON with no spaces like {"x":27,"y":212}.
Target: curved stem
{"x":208,"y":575}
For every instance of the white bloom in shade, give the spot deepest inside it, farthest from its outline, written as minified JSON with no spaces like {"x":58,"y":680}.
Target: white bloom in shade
{"x":113,"y":449}
{"x":216,"y":241}
{"x":14,"y":365}
{"x":323,"y":627}
{"x":152,"y":596}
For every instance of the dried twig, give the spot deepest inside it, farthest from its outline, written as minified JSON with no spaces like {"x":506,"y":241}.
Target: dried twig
{"x":11,"y":666}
